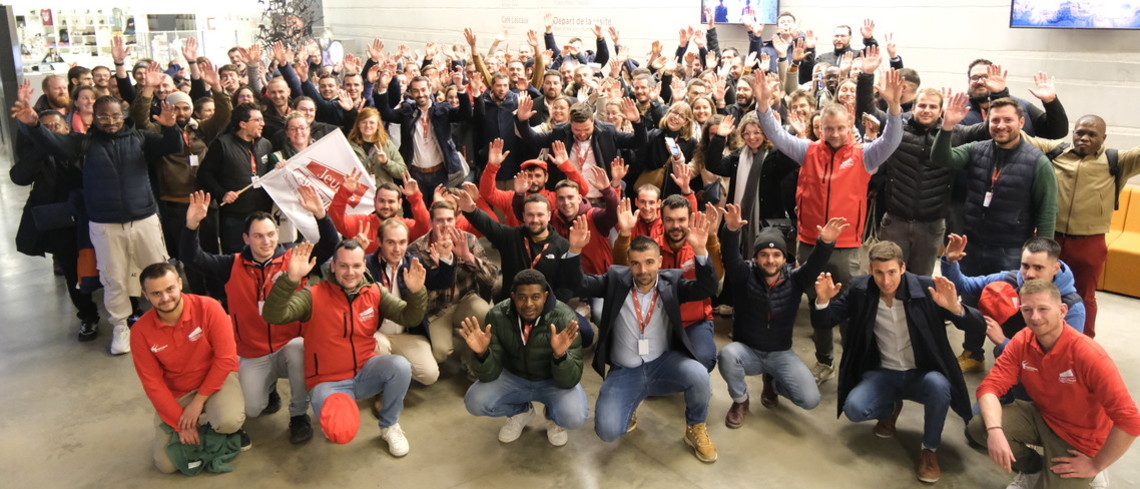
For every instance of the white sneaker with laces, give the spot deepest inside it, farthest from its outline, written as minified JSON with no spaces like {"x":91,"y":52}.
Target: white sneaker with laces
{"x":1024,"y":481}
{"x":121,"y":340}
{"x":513,"y":428}
{"x":397,"y":442}
{"x":822,"y":372}
{"x":1100,"y":481}
{"x":555,"y":434}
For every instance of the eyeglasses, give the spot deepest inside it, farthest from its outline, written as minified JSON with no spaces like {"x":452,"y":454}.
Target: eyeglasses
{"x":109,"y":118}
{"x":979,"y":77}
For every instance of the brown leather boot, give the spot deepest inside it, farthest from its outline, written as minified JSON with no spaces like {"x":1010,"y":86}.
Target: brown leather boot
{"x":768,"y":397}
{"x":886,"y":427}
{"x":735,"y":417}
{"x":928,"y":469}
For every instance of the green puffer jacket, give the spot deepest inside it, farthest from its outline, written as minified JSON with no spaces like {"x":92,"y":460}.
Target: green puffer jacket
{"x":534,"y":360}
{"x":214,"y":454}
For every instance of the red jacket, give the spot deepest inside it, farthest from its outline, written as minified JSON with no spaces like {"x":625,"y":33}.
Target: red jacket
{"x":501,"y":199}
{"x":195,"y":354}
{"x":685,"y":260}
{"x":246,"y":290}
{"x":1075,"y":386}
{"x":348,"y":225}
{"x":832,"y":184}
{"x":598,"y":254}
{"x":338,"y":336}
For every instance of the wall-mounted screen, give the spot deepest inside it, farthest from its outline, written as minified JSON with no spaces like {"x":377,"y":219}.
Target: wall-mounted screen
{"x":1075,"y":14}
{"x":741,"y":11}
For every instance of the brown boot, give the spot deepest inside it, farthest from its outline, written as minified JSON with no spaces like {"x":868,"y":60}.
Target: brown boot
{"x":697,"y":436}
{"x":735,"y":417}
{"x":886,"y":427}
{"x":632,"y":422}
{"x":768,"y":397}
{"x":928,"y":470}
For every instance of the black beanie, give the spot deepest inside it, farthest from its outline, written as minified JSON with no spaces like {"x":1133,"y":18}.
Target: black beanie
{"x":770,"y":237}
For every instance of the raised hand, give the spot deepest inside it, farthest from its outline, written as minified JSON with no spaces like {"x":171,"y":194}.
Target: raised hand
{"x":376,"y":50}
{"x":364,"y":234}
{"x":198,"y":208}
{"x":829,"y":232}
{"x":310,"y":201}
{"x":351,"y":181}
{"x":579,"y":234}
{"x":732,"y":217}
{"x":892,"y":48}
{"x":373,"y":74}
{"x":469,"y":35}
{"x":996,"y":80}
{"x":825,"y":288}
{"x":23,"y":112}
{"x":682,"y":175}
{"x":532,"y":40}
{"x":891,"y":90}
{"x":478,"y":340}
{"x":495,"y":154}
{"x":526,"y":108}
{"x":277,"y":52}
{"x":190,"y":49}
{"x":956,"y":108}
{"x":119,"y":50}
{"x":809,"y":39}
{"x":715,"y":215}
{"x":798,"y":124}
{"x":698,"y":233}
{"x":414,"y":276}
{"x":994,"y":331}
{"x":799,"y":50}
{"x":945,"y":294}
{"x":410,"y":186}
{"x":618,"y":171}
{"x":520,"y":183}
{"x":457,"y":80}
{"x":166,"y":117}
{"x":596,"y":177}
{"x":780,"y":45}
{"x":561,"y":341}
{"x":209,"y":74}
{"x":1045,"y":90}
{"x":868,"y":29}
{"x":302,"y":69}
{"x":464,"y":199}
{"x":463,"y":253}
{"x":301,"y":261}
{"x":442,"y":247}
{"x":626,"y":219}
{"x":629,"y":110}
{"x":871,"y":60}
{"x":726,"y":127}
{"x":615,"y":35}
{"x":352,"y":64}
{"x":763,"y":93}
{"x":956,"y":248}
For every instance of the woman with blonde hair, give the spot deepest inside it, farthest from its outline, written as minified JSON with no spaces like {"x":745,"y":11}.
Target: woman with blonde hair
{"x":657,"y":158}
{"x":375,"y":149}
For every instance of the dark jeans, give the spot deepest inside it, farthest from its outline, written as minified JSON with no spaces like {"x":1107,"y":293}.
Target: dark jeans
{"x":66,"y":250}
{"x":843,"y":264}
{"x":875,"y":395}
{"x":982,"y":259}
{"x":700,"y":335}
{"x":919,"y":241}
{"x":428,"y":182}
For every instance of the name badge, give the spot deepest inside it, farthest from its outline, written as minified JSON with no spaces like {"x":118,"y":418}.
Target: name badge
{"x":193,"y":160}
{"x":642,"y":347}
{"x":989,"y":197}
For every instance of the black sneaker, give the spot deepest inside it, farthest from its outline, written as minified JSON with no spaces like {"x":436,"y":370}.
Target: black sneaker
{"x":274,"y":403}
{"x":88,"y":330}
{"x":246,"y":443}
{"x":300,"y":429}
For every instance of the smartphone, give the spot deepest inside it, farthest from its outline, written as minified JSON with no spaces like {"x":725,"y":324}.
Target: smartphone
{"x":673,"y":148}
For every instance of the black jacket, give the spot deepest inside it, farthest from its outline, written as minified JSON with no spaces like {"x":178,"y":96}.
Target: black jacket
{"x":615,"y":285}
{"x":859,"y":302}
{"x":517,"y":252}
{"x":605,"y":142}
{"x":52,"y":182}
{"x":765,"y":315}
{"x":441,"y":114}
{"x":226,"y":168}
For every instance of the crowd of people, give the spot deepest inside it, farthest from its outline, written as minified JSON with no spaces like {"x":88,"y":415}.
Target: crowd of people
{"x":624,"y":199}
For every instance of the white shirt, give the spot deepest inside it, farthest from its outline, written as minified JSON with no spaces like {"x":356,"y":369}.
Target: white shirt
{"x":425,"y":152}
{"x":893,"y":337}
{"x":582,"y":156}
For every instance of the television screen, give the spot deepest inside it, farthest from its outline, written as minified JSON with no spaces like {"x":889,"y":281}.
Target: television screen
{"x":741,"y":11}
{"x":1075,"y":14}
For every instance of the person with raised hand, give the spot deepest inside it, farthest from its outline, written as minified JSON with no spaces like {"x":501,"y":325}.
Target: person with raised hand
{"x":642,"y":348}
{"x":767,"y":290}
{"x":988,"y":83}
{"x":118,"y":196}
{"x":896,"y":347}
{"x":845,"y":167}
{"x":529,"y":351}
{"x":387,"y":203}
{"x":344,"y":365}
{"x":533,"y":174}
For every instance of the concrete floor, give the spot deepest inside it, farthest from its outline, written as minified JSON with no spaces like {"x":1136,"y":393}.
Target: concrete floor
{"x":75,"y":417}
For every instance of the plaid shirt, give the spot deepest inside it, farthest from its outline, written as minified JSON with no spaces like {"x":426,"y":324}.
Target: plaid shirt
{"x":477,"y":278}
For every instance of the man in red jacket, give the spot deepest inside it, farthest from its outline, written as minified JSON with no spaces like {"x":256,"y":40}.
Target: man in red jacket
{"x":1081,"y":415}
{"x":185,"y":356}
{"x":338,"y":319}
{"x":387,"y":204}
{"x":532,"y":178}
{"x":834,"y":174}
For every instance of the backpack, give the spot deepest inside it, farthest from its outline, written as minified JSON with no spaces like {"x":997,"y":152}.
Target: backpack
{"x":1113,"y":167}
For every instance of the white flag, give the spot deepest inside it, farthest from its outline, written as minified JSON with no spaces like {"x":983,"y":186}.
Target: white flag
{"x":323,"y":166}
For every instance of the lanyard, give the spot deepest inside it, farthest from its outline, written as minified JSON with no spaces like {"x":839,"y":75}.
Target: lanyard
{"x":581,"y":151}
{"x":643,"y":322}
{"x":386,"y":279}
{"x":252,"y":164}
{"x":525,"y":328}
{"x":426,"y":121}
{"x":536,"y":257}
{"x":994,"y":174}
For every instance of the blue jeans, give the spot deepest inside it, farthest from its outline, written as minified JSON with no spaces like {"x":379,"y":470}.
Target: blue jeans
{"x":510,"y":394}
{"x":793,"y":379}
{"x":874,"y":398}
{"x":700,"y":336}
{"x":984,"y":259}
{"x":625,"y":388}
{"x":258,"y":376}
{"x":387,"y":374}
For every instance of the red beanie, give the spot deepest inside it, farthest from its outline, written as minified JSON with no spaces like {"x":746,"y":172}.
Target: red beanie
{"x":340,"y":418}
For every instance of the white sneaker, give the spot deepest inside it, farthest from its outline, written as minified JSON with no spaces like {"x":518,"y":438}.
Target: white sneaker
{"x":121,"y":340}
{"x":515,"y":424}
{"x":1100,"y":481}
{"x":822,"y":372}
{"x":397,"y":443}
{"x":555,"y":434}
{"x":1024,"y":481}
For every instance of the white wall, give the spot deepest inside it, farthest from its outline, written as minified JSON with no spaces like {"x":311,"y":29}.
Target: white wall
{"x":1096,"y":71}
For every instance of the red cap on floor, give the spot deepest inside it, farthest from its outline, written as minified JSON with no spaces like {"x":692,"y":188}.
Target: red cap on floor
{"x":340,"y":418}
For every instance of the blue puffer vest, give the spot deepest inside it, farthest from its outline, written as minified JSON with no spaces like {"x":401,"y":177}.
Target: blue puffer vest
{"x":1009,"y":220}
